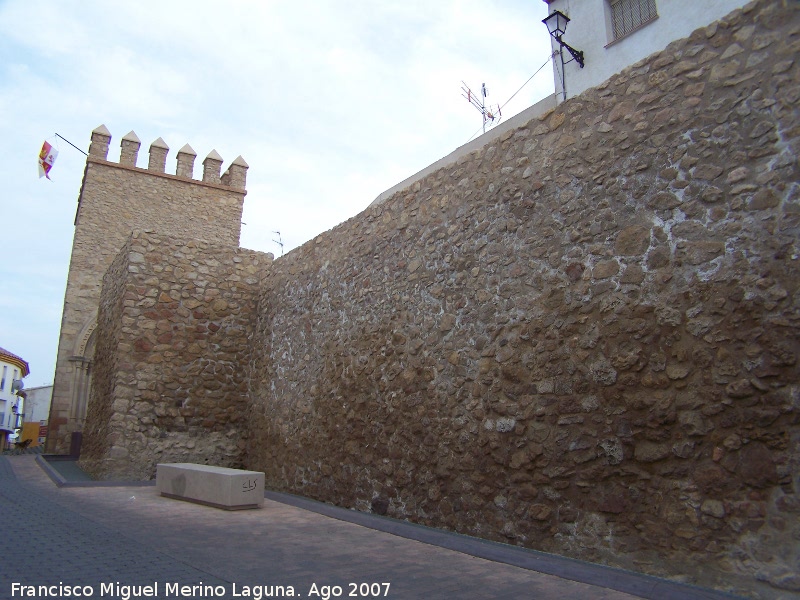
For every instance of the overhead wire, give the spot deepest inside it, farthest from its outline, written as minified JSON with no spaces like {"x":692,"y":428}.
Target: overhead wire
{"x":529,"y":79}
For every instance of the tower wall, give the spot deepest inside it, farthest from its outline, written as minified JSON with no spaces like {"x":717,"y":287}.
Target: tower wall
{"x":115,"y":199}
{"x":173,"y":341}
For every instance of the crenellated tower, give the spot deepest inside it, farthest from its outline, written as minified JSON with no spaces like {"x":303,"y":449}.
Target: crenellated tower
{"x":115,"y":199}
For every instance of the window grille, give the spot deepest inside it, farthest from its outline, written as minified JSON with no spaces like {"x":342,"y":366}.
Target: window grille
{"x":627,"y":15}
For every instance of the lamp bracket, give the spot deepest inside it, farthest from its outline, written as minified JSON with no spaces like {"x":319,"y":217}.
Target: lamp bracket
{"x":577,"y":55}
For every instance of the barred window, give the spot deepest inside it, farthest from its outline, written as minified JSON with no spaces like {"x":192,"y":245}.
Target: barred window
{"x":627,"y":15}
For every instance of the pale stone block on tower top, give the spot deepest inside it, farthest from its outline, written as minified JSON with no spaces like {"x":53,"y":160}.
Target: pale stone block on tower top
{"x":231,"y":489}
{"x":186,"y":156}
{"x":211,"y":167}
{"x":101,"y":137}
{"x":132,"y":137}
{"x":236,"y":175}
{"x":130,"y":145}
{"x":158,"y":156}
{"x":102,"y":130}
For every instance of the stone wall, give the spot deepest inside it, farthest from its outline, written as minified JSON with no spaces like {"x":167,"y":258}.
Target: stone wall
{"x":581,"y":339}
{"x":174,"y":331}
{"x":115,"y":199}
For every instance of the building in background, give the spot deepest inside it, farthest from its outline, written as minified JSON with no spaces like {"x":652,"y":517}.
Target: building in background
{"x":614,"y":34}
{"x":37,"y":410}
{"x":13,"y":369}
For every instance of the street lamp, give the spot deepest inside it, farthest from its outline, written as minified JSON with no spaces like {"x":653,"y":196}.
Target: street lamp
{"x":18,"y":416}
{"x":557,"y":26}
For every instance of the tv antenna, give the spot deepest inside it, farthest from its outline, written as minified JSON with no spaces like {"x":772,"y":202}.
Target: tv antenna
{"x":279,"y":241}
{"x":489,"y":113}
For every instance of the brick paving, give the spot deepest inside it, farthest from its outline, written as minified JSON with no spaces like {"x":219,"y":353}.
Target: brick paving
{"x":55,"y":544}
{"x":95,"y":535}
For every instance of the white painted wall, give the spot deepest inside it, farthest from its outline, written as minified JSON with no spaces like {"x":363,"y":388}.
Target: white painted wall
{"x":37,"y":404}
{"x":590,"y":30}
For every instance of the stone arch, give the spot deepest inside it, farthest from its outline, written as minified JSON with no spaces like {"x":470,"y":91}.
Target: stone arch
{"x":81,"y":360}
{"x":83,"y":338}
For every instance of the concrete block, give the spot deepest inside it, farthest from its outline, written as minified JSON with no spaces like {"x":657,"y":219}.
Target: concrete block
{"x":221,"y":487}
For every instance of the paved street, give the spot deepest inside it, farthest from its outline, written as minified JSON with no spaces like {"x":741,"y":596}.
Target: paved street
{"x":99,"y":535}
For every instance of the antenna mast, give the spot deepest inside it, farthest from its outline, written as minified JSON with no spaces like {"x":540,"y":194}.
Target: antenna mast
{"x":488,"y":113}
{"x":279,"y":241}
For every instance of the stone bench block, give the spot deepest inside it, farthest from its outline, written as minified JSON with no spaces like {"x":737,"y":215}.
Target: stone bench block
{"x":221,"y":487}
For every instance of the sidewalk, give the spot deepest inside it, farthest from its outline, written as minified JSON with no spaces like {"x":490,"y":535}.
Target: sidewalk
{"x":96,"y":535}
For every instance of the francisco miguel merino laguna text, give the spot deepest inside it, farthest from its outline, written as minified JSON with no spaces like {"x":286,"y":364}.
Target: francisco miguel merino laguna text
{"x":127,"y":592}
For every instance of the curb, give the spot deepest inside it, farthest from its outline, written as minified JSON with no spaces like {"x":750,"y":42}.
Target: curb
{"x":637,"y":584}
{"x":61,"y":481}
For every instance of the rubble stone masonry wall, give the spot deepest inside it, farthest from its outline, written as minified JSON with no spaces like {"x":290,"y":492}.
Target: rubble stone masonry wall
{"x":581,"y":339}
{"x":175,"y":324}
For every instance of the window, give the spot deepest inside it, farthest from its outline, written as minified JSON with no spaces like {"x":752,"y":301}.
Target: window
{"x":629,"y":15}
{"x":3,"y":380}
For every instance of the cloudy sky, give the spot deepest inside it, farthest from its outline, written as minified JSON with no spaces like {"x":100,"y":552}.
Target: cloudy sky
{"x":329,"y":102}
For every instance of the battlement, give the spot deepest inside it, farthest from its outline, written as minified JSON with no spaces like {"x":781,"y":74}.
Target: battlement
{"x":235,"y":176}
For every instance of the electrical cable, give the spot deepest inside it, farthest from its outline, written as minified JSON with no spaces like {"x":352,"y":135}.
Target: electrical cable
{"x":549,"y":58}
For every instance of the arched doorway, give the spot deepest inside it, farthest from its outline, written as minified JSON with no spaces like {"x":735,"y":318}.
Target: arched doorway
{"x":81,"y":362}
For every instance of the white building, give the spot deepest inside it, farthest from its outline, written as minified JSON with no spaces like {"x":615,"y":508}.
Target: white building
{"x":12,"y":370}
{"x":613,"y":34}
{"x":37,"y":412}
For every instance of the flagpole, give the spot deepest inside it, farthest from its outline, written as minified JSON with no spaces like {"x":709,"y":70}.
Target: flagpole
{"x":71,"y":144}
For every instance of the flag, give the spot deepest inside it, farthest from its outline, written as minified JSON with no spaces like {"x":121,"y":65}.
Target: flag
{"x":47,"y":156}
